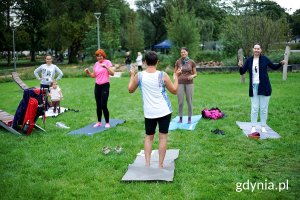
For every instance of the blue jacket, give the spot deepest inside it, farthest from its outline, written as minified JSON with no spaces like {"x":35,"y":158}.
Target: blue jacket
{"x":264,"y":87}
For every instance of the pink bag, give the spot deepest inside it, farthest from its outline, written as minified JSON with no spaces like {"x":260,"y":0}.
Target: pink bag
{"x":213,"y":113}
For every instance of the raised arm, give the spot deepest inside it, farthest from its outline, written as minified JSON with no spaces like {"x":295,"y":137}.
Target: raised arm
{"x":110,"y":70}
{"x":243,"y":68}
{"x":133,"y":82}
{"x":172,"y":87}
{"x":87,"y":71}
{"x":277,"y":66}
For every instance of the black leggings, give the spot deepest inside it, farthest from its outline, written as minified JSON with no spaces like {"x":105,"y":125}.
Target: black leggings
{"x":101,"y":96}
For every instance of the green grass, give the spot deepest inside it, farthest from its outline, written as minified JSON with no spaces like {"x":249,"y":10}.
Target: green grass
{"x":55,"y":165}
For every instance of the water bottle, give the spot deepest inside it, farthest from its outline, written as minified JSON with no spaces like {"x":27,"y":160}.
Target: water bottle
{"x":61,"y":125}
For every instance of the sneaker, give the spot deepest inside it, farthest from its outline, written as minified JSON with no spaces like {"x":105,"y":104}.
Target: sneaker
{"x":263,"y":129}
{"x":218,"y":131}
{"x":253,"y":129}
{"x":118,"y":149}
{"x":106,"y":150}
{"x":254,"y":135}
{"x":97,"y":124}
{"x":107,"y":125}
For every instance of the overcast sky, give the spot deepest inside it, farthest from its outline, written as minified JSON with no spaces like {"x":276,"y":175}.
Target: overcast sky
{"x":290,"y":5}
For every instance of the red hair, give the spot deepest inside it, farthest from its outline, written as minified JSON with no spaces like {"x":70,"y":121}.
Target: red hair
{"x":101,"y":52}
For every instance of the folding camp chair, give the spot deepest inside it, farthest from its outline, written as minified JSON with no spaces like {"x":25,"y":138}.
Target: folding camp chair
{"x":6,"y":120}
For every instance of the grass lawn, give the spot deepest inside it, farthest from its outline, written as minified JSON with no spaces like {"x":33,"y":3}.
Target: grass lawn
{"x":55,"y":165}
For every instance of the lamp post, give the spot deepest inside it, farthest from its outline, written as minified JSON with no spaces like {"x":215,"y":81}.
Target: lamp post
{"x":14,"y":49}
{"x":13,"y":24}
{"x":97,"y":15}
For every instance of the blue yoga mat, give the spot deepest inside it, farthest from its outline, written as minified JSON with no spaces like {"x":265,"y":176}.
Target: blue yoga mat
{"x":90,"y":130}
{"x":184,"y":125}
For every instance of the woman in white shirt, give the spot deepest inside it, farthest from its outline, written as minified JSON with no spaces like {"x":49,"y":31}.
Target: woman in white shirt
{"x":139,"y":61}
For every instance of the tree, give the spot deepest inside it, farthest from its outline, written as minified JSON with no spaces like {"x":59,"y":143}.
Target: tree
{"x":134,"y":35}
{"x":182,"y":26}
{"x":5,"y":28}
{"x":152,"y":14}
{"x":211,"y":17}
{"x":33,"y":19}
{"x":207,"y":30}
{"x":250,"y":24}
{"x":112,"y":30}
{"x":295,"y":24}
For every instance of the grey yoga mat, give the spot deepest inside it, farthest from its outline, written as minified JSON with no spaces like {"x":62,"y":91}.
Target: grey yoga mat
{"x":90,"y":130}
{"x":246,"y":127}
{"x":137,"y":171}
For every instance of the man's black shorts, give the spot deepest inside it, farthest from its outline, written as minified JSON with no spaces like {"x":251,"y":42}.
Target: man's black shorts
{"x":163,"y":124}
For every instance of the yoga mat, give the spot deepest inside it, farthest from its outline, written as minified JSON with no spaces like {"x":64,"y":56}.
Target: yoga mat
{"x":50,"y":113}
{"x":90,"y":130}
{"x":246,"y":127}
{"x":184,"y":125}
{"x":137,"y":171}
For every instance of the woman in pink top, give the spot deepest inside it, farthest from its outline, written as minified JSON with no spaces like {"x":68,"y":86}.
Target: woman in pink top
{"x":101,"y":71}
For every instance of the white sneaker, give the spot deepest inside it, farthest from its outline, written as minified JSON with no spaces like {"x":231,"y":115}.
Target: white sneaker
{"x":263,"y":129}
{"x":253,"y":129}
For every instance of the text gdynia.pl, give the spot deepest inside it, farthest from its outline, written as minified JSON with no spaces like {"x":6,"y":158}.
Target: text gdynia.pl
{"x":266,"y":185}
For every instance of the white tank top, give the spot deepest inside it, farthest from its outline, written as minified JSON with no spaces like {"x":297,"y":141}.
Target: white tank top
{"x":156,"y":102}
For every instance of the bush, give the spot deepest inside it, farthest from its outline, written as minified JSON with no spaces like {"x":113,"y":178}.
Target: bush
{"x":278,"y":55}
{"x":165,"y":60}
{"x":209,"y":56}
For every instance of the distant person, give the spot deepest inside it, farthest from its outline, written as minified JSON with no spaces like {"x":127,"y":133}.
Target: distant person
{"x":156,"y":104}
{"x":259,"y":85}
{"x":101,"y":71}
{"x":81,"y":56}
{"x":56,"y":96}
{"x":139,"y":61}
{"x":186,"y":84}
{"x":128,"y":60}
{"x":48,"y":72}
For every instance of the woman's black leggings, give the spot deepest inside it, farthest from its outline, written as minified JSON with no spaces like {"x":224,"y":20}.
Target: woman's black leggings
{"x":101,"y":96}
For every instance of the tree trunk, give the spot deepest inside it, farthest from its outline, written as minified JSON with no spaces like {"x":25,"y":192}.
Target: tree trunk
{"x":8,"y":25}
{"x":286,"y":59}
{"x":32,"y":48}
{"x":72,"y":54}
{"x":32,"y":56}
{"x":241,"y":58}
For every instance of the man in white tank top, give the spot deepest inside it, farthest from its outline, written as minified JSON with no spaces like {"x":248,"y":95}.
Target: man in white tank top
{"x":156,"y":103}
